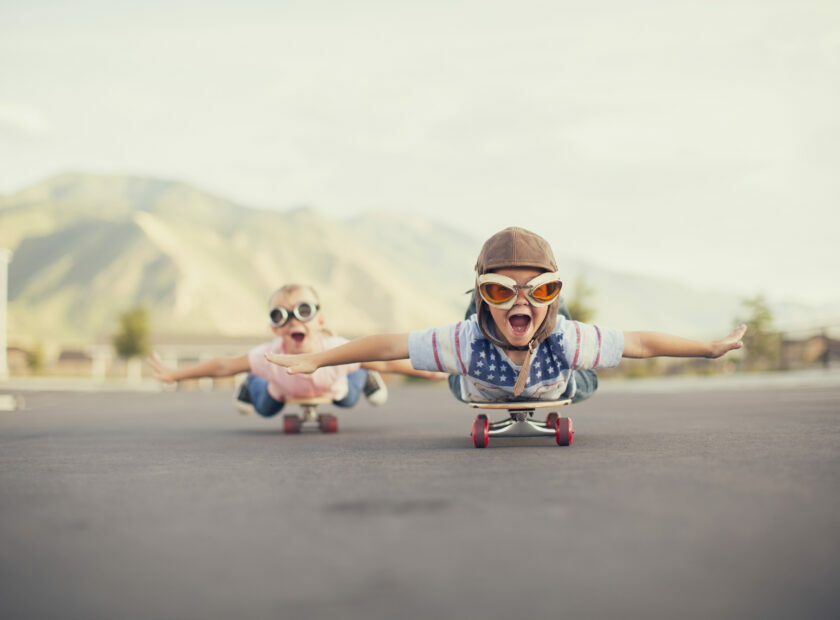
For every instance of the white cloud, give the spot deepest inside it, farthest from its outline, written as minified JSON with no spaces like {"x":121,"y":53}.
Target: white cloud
{"x":674,"y":138}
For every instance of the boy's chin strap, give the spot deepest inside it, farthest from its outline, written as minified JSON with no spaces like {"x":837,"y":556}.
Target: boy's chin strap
{"x":526,"y":367}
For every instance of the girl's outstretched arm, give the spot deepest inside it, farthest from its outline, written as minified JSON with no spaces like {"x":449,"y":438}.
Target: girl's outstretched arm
{"x":654,"y":344}
{"x":217,"y":367}
{"x":404,"y":367}
{"x":379,"y":348}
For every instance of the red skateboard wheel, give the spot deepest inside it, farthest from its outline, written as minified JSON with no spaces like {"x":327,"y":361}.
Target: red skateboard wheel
{"x":481,"y":431}
{"x":564,"y":431}
{"x":328,"y":423}
{"x":291,"y":424}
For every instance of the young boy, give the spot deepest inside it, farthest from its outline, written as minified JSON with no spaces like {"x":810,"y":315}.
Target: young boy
{"x":300,"y":327}
{"x":585,"y":380}
{"x":516,"y":346}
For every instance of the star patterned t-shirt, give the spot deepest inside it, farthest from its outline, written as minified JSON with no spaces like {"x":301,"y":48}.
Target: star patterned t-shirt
{"x":488,"y":375}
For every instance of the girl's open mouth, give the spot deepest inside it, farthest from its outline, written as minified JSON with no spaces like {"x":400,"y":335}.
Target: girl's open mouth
{"x":519,"y":324}
{"x":298,"y":337}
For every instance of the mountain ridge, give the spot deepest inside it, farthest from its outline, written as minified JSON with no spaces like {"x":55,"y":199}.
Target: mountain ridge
{"x":201,"y":264}
{"x":88,"y":246}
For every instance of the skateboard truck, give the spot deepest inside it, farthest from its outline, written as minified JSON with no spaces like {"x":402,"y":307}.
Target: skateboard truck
{"x":293,"y":423}
{"x":520,"y":422}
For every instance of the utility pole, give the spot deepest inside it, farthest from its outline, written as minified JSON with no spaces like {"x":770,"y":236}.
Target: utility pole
{"x":5,"y":259}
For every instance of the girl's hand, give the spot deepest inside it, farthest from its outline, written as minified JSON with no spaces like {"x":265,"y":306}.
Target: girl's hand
{"x":295,"y":364}
{"x":160,"y":370}
{"x":732,"y":341}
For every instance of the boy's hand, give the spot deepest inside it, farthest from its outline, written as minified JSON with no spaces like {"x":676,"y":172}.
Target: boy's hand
{"x":160,"y":370}
{"x":296,"y":364}
{"x":732,"y":341}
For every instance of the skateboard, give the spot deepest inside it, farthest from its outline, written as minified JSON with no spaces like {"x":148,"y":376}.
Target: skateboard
{"x":293,"y":422}
{"x":520,"y":422}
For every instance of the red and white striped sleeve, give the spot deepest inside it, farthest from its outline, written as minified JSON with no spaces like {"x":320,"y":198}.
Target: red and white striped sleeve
{"x":591,"y":346}
{"x":440,"y":349}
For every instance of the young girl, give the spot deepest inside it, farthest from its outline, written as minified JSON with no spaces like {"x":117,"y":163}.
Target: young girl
{"x":516,"y":346}
{"x":299,"y":325}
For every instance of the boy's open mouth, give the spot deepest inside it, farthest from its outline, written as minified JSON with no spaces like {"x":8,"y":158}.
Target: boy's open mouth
{"x":519,"y":324}
{"x":298,"y":337}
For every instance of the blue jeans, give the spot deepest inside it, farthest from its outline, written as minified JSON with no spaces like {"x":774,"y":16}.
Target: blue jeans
{"x":586,"y":381}
{"x":267,"y":406}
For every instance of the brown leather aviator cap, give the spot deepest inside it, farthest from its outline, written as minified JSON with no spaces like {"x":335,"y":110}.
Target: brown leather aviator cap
{"x":514,"y":247}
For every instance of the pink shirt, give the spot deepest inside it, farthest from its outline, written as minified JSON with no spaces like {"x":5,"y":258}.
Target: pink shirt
{"x":330,"y":381}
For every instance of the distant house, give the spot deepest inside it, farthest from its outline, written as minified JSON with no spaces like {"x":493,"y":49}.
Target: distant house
{"x":816,"y":350}
{"x":73,"y":362}
{"x":17,"y":360}
{"x":73,"y":357}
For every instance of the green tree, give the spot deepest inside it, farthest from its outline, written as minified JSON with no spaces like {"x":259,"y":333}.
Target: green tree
{"x":762,"y":342}
{"x":579,"y":302}
{"x":132,"y":337}
{"x":35,"y":358}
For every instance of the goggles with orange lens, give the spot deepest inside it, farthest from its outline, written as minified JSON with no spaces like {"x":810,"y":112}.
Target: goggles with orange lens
{"x":501,"y":292}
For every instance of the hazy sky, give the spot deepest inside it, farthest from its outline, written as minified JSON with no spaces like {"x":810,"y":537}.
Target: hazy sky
{"x":692,"y":139}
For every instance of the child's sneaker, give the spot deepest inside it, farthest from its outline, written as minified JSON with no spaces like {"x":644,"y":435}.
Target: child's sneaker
{"x":375,"y":389}
{"x":242,"y":397}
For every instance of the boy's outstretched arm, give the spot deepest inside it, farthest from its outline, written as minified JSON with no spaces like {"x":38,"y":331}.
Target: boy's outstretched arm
{"x":379,"y":348}
{"x":654,"y":344}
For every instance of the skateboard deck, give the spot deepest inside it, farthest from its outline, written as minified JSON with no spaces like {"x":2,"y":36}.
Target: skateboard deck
{"x":521,"y":422}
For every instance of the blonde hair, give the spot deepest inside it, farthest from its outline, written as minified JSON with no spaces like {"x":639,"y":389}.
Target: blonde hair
{"x":288,"y":289}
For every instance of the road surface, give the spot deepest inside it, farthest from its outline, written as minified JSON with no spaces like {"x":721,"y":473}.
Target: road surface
{"x":687,"y":504}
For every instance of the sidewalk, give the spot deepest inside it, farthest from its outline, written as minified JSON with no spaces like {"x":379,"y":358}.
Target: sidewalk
{"x":737,"y":381}
{"x":78,"y":384}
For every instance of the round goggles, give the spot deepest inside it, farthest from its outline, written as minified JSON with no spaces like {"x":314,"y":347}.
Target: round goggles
{"x":501,"y":292}
{"x":303,"y":312}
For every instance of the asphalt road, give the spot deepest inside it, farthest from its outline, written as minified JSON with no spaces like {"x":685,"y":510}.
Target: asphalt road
{"x":171,"y":505}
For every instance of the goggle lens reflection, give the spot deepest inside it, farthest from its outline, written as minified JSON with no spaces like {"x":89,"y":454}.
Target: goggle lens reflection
{"x":546,"y":292}
{"x":496,"y":293}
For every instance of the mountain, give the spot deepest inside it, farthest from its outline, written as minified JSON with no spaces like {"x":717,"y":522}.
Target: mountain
{"x":88,"y":246}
